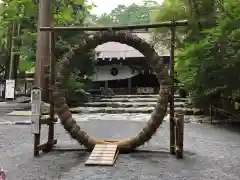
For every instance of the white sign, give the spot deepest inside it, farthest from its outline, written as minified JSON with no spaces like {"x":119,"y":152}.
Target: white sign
{"x":35,"y":109}
{"x":35,"y":124}
{"x":1,"y":89}
{"x":10,"y":89}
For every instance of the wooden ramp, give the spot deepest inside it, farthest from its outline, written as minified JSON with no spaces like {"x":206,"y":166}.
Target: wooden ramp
{"x":103,"y":155}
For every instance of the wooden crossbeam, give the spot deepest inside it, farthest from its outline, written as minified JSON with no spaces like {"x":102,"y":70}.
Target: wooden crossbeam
{"x":118,"y":28}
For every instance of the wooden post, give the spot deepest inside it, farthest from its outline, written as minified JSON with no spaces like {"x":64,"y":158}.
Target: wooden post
{"x":129,"y":86}
{"x":42,"y":51}
{"x":25,"y":86}
{"x":8,"y":55}
{"x":106,"y":85}
{"x":210,"y":113}
{"x":52,"y":79}
{"x":46,"y":78}
{"x":176,"y":120}
{"x":37,"y":143}
{"x":10,"y":75}
{"x":49,"y":80}
{"x":179,"y":135}
{"x":171,"y":100}
{"x":35,"y":118}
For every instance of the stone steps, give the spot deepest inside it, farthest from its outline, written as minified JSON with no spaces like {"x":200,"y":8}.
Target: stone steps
{"x":126,"y":104}
{"x":121,"y":107}
{"x":135,"y":100}
{"x":132,"y":105}
{"x":145,"y":110}
{"x":141,"y":104}
{"x":132,"y":96}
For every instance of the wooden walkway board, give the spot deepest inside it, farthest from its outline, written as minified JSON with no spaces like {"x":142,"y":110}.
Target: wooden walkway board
{"x":103,"y":154}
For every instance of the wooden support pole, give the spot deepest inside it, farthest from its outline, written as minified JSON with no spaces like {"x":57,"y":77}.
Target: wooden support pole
{"x":210,"y":114}
{"x":129,"y":85}
{"x":44,"y":19}
{"x":10,"y":75}
{"x":50,"y":78}
{"x":37,"y":142}
{"x":36,"y":118}
{"x":51,"y":82}
{"x":8,"y":57}
{"x":42,"y":51}
{"x":45,"y":94}
{"x":179,"y":135}
{"x":171,"y":100}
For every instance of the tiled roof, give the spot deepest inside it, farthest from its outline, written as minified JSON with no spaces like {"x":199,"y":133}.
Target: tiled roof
{"x":118,"y":50}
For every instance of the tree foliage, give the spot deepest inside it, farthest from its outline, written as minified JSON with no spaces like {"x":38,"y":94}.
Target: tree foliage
{"x":208,"y":55}
{"x":209,"y":67}
{"x":128,"y":15}
{"x":168,"y":11}
{"x":24,"y":14}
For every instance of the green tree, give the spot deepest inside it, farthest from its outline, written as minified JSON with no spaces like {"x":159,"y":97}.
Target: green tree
{"x":23,"y":13}
{"x":168,"y":11}
{"x":127,"y":15}
{"x":209,"y":68}
{"x":208,"y":53}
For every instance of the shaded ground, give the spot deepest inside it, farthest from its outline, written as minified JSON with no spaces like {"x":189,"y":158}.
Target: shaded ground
{"x":211,"y":153}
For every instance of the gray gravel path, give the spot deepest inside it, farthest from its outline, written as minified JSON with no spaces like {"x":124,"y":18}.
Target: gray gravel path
{"x":211,"y":153}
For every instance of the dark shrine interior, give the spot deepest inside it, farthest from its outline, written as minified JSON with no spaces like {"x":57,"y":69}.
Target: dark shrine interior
{"x":140,"y":80}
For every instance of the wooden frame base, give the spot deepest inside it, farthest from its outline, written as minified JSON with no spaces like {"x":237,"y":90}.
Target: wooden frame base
{"x":179,"y":136}
{"x":48,"y":146}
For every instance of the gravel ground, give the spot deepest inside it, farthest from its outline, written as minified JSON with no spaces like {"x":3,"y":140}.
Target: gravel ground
{"x":211,"y":152}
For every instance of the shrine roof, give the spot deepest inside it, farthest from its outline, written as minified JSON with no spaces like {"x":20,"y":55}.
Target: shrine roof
{"x":118,"y":50}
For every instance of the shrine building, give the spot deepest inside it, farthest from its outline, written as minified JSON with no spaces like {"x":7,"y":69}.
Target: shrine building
{"x":124,"y":69}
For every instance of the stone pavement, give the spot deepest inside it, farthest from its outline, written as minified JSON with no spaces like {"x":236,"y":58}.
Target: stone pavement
{"x":211,"y":153}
